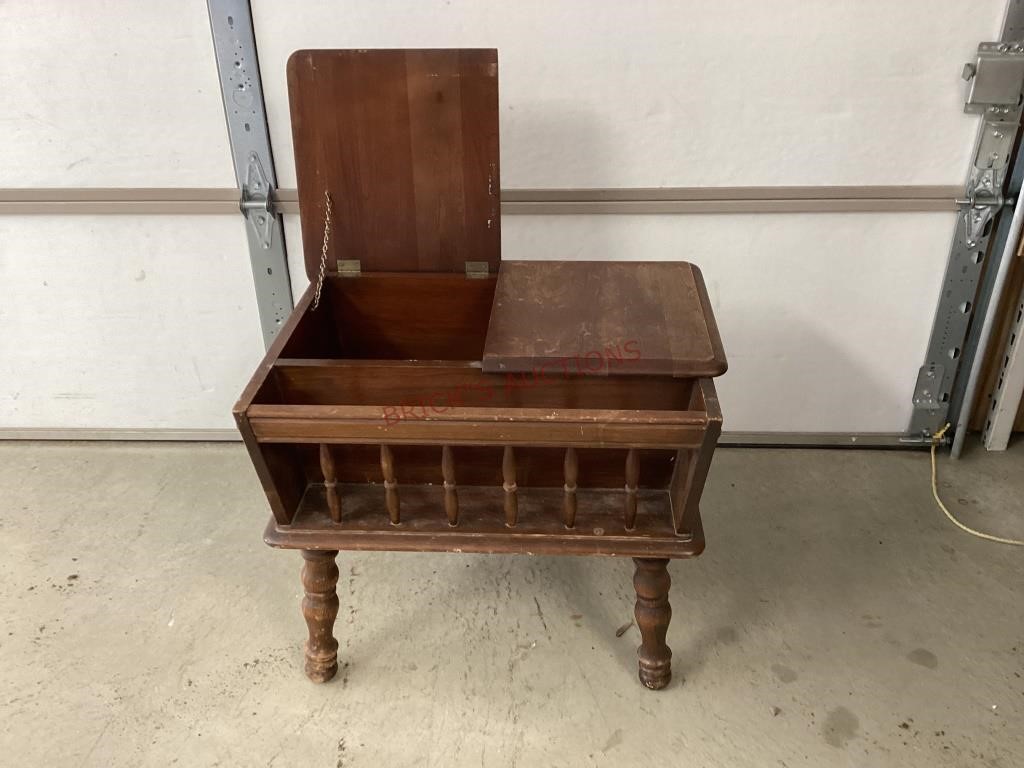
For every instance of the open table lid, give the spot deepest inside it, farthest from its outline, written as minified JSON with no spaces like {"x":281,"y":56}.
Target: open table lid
{"x":602,"y":318}
{"x":406,"y":143}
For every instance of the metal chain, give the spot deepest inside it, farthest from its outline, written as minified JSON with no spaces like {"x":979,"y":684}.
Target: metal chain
{"x":323,"y":250}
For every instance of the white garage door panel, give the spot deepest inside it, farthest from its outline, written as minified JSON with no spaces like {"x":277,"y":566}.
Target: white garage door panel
{"x":107,"y":94}
{"x":124,"y":322}
{"x":692,"y":93}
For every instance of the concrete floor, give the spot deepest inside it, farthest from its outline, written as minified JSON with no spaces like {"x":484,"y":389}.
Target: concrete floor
{"x":835,"y":619}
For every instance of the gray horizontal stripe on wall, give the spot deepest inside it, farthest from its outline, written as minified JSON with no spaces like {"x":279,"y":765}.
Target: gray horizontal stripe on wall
{"x":544,"y":202}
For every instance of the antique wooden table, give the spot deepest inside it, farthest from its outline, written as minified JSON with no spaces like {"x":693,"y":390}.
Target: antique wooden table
{"x":426,"y":396}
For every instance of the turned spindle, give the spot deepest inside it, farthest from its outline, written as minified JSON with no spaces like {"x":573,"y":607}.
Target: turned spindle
{"x":320,"y":609}
{"x":632,"y":482}
{"x":387,"y":466}
{"x":653,"y":613}
{"x":451,"y":496}
{"x":330,"y":482}
{"x":572,"y":471}
{"x":508,"y":471}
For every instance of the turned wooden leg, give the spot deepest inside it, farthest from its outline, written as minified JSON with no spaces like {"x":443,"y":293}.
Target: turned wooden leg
{"x":653,"y":613}
{"x":320,"y":609}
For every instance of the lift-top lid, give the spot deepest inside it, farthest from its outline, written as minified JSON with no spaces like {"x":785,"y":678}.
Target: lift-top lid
{"x":406,"y":143}
{"x":601,"y":318}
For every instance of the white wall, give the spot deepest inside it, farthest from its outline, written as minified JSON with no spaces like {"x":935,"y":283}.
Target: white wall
{"x":124,"y":321}
{"x":683,"y":92}
{"x":108,"y":94}
{"x":825,"y":317}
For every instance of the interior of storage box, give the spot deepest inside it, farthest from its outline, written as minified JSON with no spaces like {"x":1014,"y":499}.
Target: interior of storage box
{"x":397,"y":316}
{"x":414,"y":342}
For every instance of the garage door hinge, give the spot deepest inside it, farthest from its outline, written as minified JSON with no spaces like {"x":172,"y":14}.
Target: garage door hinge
{"x":257,"y":201}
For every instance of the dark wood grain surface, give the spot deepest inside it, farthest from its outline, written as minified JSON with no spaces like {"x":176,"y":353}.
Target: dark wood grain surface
{"x":603,"y":318}
{"x":434,"y":386}
{"x":406,"y":142}
{"x":588,"y":429}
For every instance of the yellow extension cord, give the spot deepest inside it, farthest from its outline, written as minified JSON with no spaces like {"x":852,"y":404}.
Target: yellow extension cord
{"x":936,"y":439}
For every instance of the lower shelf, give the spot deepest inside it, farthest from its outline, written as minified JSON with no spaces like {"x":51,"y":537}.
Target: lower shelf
{"x":599,"y":528}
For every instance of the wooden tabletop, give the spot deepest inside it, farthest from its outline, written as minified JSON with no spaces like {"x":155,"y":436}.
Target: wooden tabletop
{"x":602,"y":318}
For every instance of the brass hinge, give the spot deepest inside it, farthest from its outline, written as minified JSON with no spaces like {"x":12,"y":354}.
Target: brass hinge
{"x":349,"y":268}
{"x":477,"y":269}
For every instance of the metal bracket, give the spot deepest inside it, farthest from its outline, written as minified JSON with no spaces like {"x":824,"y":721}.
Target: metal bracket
{"x":349,"y":268}
{"x":926,"y":395}
{"x":477,"y":269}
{"x":996,"y":79}
{"x":256,"y":201}
{"x":976,"y":219}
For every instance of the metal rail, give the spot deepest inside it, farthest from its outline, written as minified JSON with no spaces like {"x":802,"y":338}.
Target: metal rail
{"x":1009,"y":387}
{"x":234,"y":44}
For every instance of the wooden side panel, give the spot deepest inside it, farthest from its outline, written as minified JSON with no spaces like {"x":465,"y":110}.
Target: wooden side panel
{"x":280,"y":475}
{"x":403,"y":390}
{"x":692,"y":465}
{"x":406,"y":143}
{"x":469,"y":426}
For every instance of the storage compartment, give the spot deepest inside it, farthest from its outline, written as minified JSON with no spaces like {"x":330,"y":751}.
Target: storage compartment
{"x":411,"y":389}
{"x":372,"y":449}
{"x":436,"y":398}
{"x":397,"y":316}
